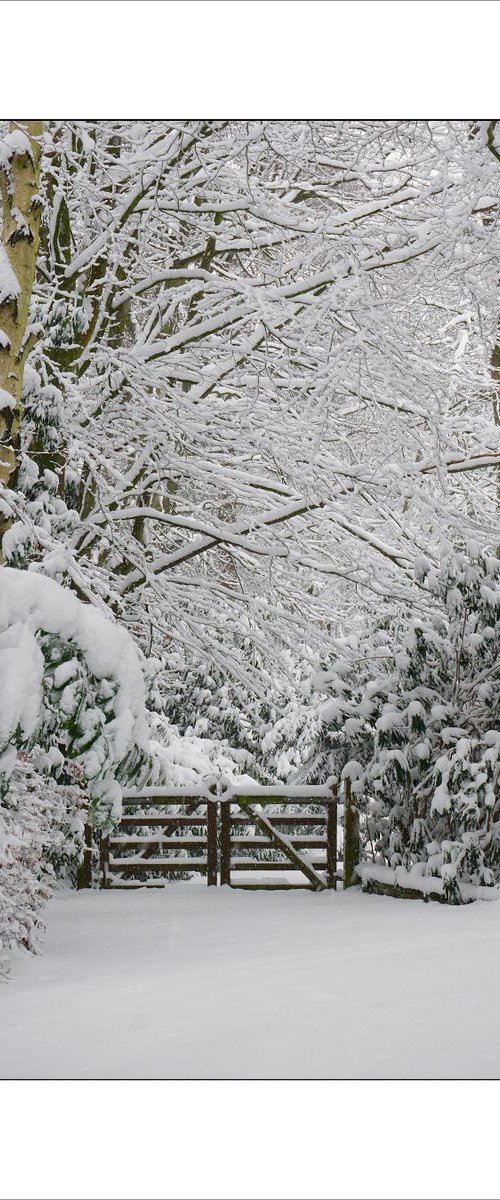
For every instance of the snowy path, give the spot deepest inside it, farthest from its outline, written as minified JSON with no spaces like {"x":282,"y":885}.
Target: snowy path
{"x":197,"y":982}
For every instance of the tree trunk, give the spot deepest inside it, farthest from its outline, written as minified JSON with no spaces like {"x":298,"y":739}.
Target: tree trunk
{"x":20,"y":206}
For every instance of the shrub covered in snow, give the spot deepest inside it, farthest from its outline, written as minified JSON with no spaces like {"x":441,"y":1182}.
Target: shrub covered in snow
{"x":71,"y":681}
{"x":263,"y":729}
{"x":41,"y":838}
{"x":72,"y":690}
{"x":179,"y":760}
{"x":413,"y":719}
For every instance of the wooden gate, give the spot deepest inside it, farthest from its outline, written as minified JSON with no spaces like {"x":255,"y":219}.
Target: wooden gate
{"x":279,"y":832}
{"x":273,"y":837}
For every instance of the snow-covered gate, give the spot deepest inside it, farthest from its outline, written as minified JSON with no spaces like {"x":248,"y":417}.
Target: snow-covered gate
{"x":242,"y":838}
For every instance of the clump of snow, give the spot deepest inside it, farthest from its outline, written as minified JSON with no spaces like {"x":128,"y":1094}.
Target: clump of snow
{"x":21,"y":674}
{"x":17,"y":543}
{"x":20,"y":220}
{"x":14,"y":142}
{"x":6,"y":400}
{"x":9,"y":283}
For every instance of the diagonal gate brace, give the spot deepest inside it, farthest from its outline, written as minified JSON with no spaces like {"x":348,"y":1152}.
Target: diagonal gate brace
{"x":283,"y":843}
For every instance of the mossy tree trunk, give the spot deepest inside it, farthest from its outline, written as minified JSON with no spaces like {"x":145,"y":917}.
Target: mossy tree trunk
{"x":20,"y":208}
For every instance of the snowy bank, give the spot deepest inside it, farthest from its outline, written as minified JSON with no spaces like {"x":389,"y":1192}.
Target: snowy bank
{"x":415,"y":884}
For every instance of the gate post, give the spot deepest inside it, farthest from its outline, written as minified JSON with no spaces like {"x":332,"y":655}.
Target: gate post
{"x":331,"y":837}
{"x":104,"y":861}
{"x":351,"y":837}
{"x":212,"y":807}
{"x":225,"y":842}
{"x":84,"y":871}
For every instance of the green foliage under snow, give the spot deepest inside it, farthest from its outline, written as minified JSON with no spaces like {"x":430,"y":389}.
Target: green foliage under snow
{"x":413,"y":720}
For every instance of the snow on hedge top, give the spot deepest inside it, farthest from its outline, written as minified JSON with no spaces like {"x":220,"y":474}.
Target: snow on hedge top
{"x":30,"y":603}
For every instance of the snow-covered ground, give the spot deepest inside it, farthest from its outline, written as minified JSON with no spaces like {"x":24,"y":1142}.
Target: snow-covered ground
{"x":192,"y":981}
